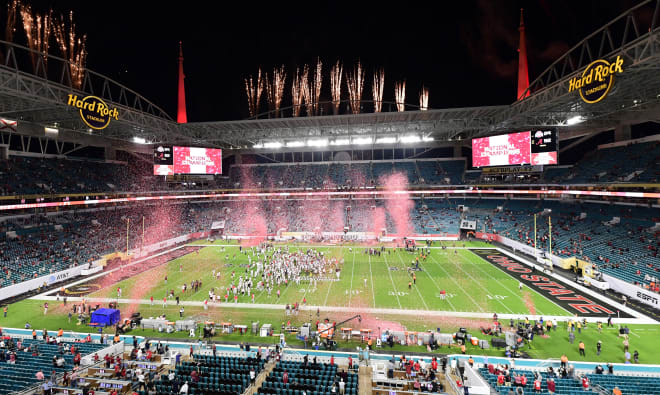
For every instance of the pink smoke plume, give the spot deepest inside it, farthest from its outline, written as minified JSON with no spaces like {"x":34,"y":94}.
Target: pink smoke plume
{"x":399,"y":204}
{"x":254,"y":218}
{"x":378,"y":220}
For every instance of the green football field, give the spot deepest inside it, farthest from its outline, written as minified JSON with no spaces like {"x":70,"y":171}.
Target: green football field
{"x":471,"y":284}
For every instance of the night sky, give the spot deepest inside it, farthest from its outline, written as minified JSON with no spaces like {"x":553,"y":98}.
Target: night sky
{"x":464,"y":51}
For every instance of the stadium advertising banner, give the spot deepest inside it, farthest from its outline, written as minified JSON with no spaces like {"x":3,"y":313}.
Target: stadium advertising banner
{"x":192,"y":160}
{"x":94,"y":112}
{"x":596,"y":80}
{"x":564,"y":295}
{"x":512,"y":170}
{"x":502,"y":150}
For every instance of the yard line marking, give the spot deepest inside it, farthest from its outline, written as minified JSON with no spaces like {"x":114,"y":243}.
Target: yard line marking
{"x":497,"y":280}
{"x":325,"y":302}
{"x":436,"y":285}
{"x":477,"y":282}
{"x":350,"y":293}
{"x":415,"y":286}
{"x":536,"y":292}
{"x":458,"y":285}
{"x":373,"y":292}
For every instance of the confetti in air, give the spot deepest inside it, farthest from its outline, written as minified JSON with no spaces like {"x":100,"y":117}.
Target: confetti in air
{"x":275,"y":89}
{"x":400,"y":95}
{"x":424,"y":99}
{"x":73,"y":48}
{"x":379,"y":83}
{"x":335,"y":86}
{"x":355,"y":82}
{"x":254,"y":90}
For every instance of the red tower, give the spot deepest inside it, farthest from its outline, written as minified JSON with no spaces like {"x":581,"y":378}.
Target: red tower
{"x":523,"y":75}
{"x":181,"y":104}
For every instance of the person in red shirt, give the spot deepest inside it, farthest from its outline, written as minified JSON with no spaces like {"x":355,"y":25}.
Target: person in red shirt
{"x":500,"y":379}
{"x":285,"y":377}
{"x":149,"y":355}
{"x":434,"y":365}
{"x":585,"y":383}
{"x":416,"y":366}
{"x":523,"y":380}
{"x":96,"y":357}
{"x":332,"y":360}
{"x":537,"y":385}
{"x":350,"y":362}
{"x":408,"y":370}
{"x":551,"y":386}
{"x":117,"y":370}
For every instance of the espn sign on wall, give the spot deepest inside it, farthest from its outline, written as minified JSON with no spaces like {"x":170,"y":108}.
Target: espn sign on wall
{"x":192,"y":160}
{"x":502,"y":150}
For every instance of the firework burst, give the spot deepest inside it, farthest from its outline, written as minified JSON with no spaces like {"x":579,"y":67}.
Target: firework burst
{"x":377,"y":88}
{"x":12,"y":12}
{"x":275,"y":89}
{"x":253,"y":90}
{"x":355,"y":82}
{"x":73,"y":48}
{"x":306,"y":89}
{"x":37,"y":30}
{"x":400,"y":95}
{"x":424,"y":99}
{"x":297,"y":93}
{"x":316,"y":86}
{"x":335,"y":86}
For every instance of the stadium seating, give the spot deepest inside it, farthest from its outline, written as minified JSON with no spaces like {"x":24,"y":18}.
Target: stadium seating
{"x":628,"y":163}
{"x":633,"y":385}
{"x":22,"y":374}
{"x":567,"y":386}
{"x":314,"y":379}
{"x":222,"y":375}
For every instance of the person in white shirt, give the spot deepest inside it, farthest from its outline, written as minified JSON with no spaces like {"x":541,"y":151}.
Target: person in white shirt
{"x":184,"y":388}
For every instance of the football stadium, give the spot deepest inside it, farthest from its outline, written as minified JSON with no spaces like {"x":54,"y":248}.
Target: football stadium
{"x":335,"y":235}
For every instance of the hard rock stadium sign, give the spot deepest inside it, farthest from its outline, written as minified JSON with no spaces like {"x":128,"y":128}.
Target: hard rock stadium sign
{"x":93,"y":111}
{"x":596,"y":80}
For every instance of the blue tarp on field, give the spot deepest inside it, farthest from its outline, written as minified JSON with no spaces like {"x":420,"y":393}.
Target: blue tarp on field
{"x":105,"y":317}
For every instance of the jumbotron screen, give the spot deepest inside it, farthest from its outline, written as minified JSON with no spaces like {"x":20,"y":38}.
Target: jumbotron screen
{"x":502,"y":150}
{"x":544,"y":147}
{"x":537,"y":147}
{"x":187,"y":160}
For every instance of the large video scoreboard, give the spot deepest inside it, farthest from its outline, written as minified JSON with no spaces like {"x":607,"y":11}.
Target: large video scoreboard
{"x":170,"y":160}
{"x":537,"y":147}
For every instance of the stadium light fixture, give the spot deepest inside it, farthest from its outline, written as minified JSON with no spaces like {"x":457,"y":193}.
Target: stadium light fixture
{"x":139,"y":140}
{"x":575,"y":120}
{"x":386,"y":140}
{"x":51,"y":131}
{"x":258,"y":146}
{"x":317,"y":143}
{"x":410,"y":139}
{"x":362,"y":140}
{"x":273,"y":144}
{"x":295,"y":143}
{"x":427,"y":138}
{"x":341,"y":142}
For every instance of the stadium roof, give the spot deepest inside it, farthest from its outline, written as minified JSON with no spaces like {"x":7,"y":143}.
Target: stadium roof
{"x":36,"y":97}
